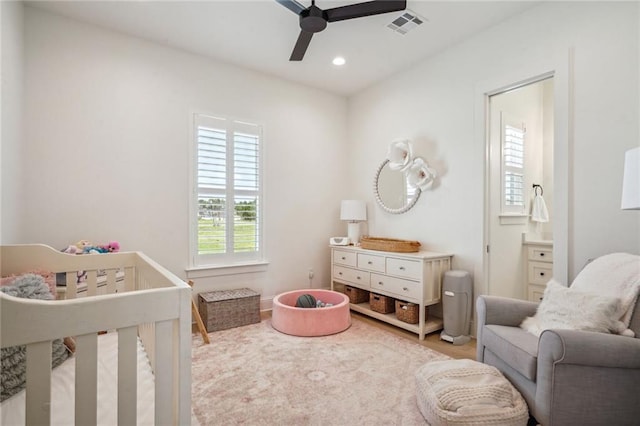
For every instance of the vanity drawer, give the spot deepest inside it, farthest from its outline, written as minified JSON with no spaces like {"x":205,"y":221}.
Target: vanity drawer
{"x":371,"y":262}
{"x":541,"y":254}
{"x":343,"y":257}
{"x":404,"y":289}
{"x":359,"y":278}
{"x":535,"y":293}
{"x":540,"y":273}
{"x":404,"y":268}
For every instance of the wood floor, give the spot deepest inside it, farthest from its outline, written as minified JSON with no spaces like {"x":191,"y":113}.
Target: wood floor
{"x":432,"y":341}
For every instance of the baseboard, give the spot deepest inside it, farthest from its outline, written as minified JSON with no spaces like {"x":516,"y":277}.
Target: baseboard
{"x":266,"y":304}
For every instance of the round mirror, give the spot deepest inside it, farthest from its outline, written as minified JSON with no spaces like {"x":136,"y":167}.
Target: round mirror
{"x":392,"y":191}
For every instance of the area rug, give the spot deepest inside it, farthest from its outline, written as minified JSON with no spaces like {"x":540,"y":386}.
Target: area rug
{"x":255,"y":375}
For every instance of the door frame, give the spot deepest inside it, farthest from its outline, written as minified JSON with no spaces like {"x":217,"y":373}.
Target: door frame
{"x":560,"y":67}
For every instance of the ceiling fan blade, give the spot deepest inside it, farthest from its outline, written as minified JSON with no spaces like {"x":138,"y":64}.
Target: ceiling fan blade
{"x":292,"y":5}
{"x":301,"y":46}
{"x":368,"y":8}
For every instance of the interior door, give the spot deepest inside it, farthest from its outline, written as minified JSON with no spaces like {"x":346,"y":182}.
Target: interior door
{"x":508,"y":219}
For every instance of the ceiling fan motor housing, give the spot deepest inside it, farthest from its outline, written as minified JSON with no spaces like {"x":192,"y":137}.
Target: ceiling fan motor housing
{"x":313,"y":20}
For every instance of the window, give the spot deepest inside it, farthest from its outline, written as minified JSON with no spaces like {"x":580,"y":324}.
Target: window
{"x":227,"y":218}
{"x":512,"y":167}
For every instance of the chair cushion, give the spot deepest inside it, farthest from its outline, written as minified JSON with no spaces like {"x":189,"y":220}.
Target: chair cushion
{"x":514,"y":346}
{"x":466,"y":392}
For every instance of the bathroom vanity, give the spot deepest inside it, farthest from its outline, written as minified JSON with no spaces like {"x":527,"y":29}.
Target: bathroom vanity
{"x":538,"y":265}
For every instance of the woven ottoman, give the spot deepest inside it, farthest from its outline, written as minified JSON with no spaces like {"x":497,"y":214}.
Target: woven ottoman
{"x":466,"y":392}
{"x":225,"y":309}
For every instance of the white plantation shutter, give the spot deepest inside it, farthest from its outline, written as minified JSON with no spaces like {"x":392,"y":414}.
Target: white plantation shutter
{"x":513,"y":138}
{"x":228,"y":191}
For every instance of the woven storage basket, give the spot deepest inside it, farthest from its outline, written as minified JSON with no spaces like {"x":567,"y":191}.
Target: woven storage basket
{"x":380,"y":303}
{"x":225,"y":309}
{"x":409,"y":312}
{"x":356,"y":295}
{"x":389,"y":244}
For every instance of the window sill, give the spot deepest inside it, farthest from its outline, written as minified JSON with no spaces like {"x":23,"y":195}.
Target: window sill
{"x":514,"y":219}
{"x":231,"y":269}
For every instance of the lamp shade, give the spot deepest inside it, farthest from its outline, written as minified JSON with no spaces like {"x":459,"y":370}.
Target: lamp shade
{"x":631,"y":180}
{"x":353,"y":210}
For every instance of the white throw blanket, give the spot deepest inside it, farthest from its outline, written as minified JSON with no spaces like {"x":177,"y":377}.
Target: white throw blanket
{"x":617,"y":275}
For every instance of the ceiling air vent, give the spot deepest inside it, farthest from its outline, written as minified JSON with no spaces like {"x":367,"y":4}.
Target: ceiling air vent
{"x":406,"y":22}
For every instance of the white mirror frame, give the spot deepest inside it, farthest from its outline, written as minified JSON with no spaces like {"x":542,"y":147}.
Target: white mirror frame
{"x":400,"y":210}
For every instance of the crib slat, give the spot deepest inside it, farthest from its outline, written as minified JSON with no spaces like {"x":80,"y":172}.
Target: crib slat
{"x":111,"y":281}
{"x":127,"y":375}
{"x":129,"y":280}
{"x":86,"y":379}
{"x":92,"y":283}
{"x":38,"y":397}
{"x":164,"y":373}
{"x":72,"y":288}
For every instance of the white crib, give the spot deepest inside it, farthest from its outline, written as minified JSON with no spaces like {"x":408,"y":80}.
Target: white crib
{"x":150,"y":302}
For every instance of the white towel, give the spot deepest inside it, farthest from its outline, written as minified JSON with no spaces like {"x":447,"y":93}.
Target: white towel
{"x":539,"y":212}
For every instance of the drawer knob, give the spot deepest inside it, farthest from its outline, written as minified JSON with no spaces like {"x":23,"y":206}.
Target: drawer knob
{"x":343,"y":258}
{"x":369,"y":263}
{"x":542,"y":274}
{"x":541,"y":254}
{"x":380,"y":283}
{"x":405,"y":289}
{"x":339,"y":273}
{"x":402,"y":268}
{"x":358,"y":278}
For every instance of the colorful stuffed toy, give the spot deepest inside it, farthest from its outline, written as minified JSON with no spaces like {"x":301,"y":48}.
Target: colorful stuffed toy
{"x":112,"y":247}
{"x":85,"y":247}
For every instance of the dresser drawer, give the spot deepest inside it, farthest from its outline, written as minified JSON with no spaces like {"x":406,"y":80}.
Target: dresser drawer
{"x":371,"y":262}
{"x":540,"y":254}
{"x":342,"y":257}
{"x":355,"y":276}
{"x":404,"y":289}
{"x":540,"y":273}
{"x":404,"y":268}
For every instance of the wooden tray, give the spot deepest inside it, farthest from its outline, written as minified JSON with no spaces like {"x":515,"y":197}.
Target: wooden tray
{"x":389,"y":244}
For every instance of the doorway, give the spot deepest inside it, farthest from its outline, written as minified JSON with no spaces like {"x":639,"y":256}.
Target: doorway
{"x":520,"y":146}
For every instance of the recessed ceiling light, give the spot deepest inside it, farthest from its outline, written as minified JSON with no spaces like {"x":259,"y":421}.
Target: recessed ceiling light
{"x":339,"y":60}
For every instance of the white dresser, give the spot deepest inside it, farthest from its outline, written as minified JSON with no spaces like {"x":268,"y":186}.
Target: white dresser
{"x":410,"y":277}
{"x":539,"y":269}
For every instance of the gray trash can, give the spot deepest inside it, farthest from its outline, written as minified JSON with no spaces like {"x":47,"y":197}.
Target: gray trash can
{"x":457,"y":297}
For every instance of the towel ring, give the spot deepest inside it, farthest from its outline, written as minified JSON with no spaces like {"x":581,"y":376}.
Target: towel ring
{"x":535,"y":189}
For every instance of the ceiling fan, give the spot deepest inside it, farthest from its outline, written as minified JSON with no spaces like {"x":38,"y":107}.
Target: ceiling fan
{"x":313,"y":19}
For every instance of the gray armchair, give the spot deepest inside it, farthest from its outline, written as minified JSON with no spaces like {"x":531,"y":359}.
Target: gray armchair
{"x":567,"y":377}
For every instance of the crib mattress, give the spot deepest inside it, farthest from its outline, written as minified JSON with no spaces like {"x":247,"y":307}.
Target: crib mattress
{"x":12,"y":410}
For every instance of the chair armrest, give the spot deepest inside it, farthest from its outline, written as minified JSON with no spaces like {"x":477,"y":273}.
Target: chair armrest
{"x":499,"y":311}
{"x":588,"y":349}
{"x":503,"y":310}
{"x":587,"y":378}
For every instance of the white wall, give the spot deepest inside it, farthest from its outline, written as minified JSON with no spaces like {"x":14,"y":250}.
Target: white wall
{"x":433,"y":104}
{"x":11,"y":68}
{"x":107,"y":141}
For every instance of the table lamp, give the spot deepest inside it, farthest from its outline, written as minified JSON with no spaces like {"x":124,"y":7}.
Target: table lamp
{"x":354,"y":212}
